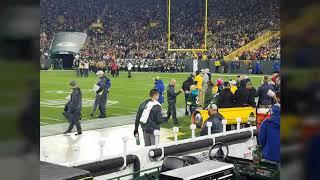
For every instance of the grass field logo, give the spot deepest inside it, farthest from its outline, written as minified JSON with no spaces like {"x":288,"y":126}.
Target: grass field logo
{"x":60,"y":103}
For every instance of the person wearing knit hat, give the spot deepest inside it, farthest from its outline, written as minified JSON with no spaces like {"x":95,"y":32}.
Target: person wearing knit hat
{"x":74,"y":108}
{"x":215,"y":118}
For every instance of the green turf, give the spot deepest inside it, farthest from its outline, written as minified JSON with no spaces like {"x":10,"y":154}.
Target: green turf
{"x":128,"y":93}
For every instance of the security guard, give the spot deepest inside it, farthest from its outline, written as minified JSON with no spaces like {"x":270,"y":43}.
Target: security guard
{"x":74,"y":108}
{"x":104,"y":84}
{"x":172,"y":98}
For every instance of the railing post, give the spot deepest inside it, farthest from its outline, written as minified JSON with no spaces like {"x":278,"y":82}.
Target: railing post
{"x":156,"y":134}
{"x":193,"y":130}
{"x":238,"y":123}
{"x":209,"y":125}
{"x":125,"y":150}
{"x":101,"y":145}
{"x":175,"y":133}
{"x":224,"y":124}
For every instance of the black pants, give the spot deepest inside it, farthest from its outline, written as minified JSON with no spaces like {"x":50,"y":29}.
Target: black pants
{"x":96,"y":103}
{"x":129,"y":74}
{"x":75,"y":121}
{"x":192,"y":109}
{"x":217,"y":69}
{"x":81,"y":72}
{"x":186,"y":100}
{"x":102,"y":105}
{"x":172,"y":111}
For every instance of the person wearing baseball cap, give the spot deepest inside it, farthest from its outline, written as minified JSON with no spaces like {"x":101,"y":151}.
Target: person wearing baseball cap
{"x":159,"y":86}
{"x":215,"y":118}
{"x":104,"y":84}
{"x":74,"y":108}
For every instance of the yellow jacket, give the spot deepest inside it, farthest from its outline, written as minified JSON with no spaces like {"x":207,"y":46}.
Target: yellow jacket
{"x":199,"y":79}
{"x":204,"y":57}
{"x":233,"y":89}
{"x":216,"y":63}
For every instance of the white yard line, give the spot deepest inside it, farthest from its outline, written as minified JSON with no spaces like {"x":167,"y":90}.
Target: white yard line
{"x":59,"y":120}
{"x":121,"y":108}
{"x":117,"y":114}
{"x":43,"y":123}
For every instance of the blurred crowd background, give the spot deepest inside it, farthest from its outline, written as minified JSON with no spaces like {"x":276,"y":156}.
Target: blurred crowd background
{"x":138,"y":29}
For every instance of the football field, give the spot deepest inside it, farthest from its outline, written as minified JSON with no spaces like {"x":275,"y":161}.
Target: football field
{"x":124,"y":97}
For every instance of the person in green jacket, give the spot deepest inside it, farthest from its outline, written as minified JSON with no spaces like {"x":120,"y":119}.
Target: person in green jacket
{"x":208,"y":94}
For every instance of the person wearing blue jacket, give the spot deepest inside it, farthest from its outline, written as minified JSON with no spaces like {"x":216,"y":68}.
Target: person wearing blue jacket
{"x":265,"y":101}
{"x":104,"y":84}
{"x":269,"y":136}
{"x":276,"y":66}
{"x":257,"y":68}
{"x":159,"y":86}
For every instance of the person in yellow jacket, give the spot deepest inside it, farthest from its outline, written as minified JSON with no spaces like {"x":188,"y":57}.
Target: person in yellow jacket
{"x":217,"y":65}
{"x":233,"y":86}
{"x":204,"y":57}
{"x":198,"y":79}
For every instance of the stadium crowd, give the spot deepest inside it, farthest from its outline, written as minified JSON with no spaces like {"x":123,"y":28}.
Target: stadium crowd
{"x":132,"y":29}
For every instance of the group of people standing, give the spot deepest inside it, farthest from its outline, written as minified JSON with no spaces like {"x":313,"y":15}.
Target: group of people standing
{"x":73,"y":107}
{"x":81,"y":67}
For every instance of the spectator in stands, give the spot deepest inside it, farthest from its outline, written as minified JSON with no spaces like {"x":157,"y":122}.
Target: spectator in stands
{"x":264,"y":101}
{"x":257,"y":68}
{"x":276,"y":66}
{"x":217,"y":66}
{"x":225,"y":98}
{"x":215,"y":118}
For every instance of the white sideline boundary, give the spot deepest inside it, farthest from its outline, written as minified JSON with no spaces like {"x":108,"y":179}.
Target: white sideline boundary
{"x":59,"y":120}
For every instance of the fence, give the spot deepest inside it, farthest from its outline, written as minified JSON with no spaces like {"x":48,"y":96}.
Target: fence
{"x":240,"y":67}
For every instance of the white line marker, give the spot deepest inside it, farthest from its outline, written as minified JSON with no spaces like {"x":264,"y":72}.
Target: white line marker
{"x":121,"y":108}
{"x":43,"y":123}
{"x":117,"y":114}
{"x":51,"y":118}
